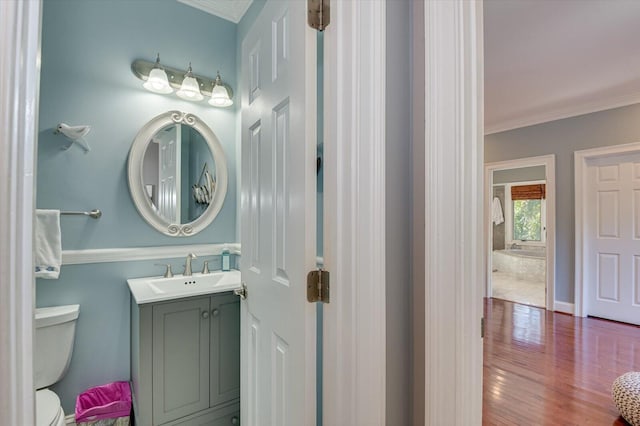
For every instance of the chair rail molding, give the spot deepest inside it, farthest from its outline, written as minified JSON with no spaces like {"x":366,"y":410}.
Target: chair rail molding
{"x":128,"y":254}
{"x":20,"y":70}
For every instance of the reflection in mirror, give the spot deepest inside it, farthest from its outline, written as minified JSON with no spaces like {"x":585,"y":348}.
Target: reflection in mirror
{"x":177,"y":173}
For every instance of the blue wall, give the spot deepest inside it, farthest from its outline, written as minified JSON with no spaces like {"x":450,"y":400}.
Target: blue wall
{"x":87,"y":50}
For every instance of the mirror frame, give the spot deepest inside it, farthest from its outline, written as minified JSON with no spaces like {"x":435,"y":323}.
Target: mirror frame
{"x":136,"y":182}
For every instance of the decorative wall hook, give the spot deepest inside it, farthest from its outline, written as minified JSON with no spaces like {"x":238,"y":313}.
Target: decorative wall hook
{"x":75,"y":134}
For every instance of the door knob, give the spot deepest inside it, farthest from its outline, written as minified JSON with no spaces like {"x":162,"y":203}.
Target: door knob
{"x":215,"y":312}
{"x":205,"y":314}
{"x":242,"y":291}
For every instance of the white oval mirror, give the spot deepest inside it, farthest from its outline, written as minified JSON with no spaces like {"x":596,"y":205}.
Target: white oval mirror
{"x":177,"y":174}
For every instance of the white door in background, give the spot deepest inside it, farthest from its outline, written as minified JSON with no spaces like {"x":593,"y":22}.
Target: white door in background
{"x":278,"y":217}
{"x":613,"y":238}
{"x":169,"y":161}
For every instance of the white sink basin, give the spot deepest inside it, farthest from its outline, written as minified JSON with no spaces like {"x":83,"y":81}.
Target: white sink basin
{"x":156,"y":289}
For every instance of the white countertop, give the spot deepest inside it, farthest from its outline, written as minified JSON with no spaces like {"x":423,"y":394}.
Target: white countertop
{"x":157,"y":289}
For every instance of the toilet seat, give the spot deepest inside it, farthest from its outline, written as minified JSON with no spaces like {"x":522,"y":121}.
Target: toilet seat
{"x":48,"y":409}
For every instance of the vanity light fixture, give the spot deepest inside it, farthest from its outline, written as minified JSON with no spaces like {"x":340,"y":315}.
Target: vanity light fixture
{"x":190,"y":86}
{"x":157,"y":82}
{"x":220,"y":94}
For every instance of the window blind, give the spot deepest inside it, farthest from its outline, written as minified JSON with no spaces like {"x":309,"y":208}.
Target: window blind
{"x":528,"y":192}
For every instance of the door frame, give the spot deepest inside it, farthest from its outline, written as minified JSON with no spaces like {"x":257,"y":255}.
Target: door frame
{"x":549,"y":162}
{"x":580,"y":178}
{"x":450,"y":92}
{"x":20,"y":66}
{"x":354,"y":334}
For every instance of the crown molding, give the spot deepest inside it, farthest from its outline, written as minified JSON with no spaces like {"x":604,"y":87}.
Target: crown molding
{"x":579,"y":108}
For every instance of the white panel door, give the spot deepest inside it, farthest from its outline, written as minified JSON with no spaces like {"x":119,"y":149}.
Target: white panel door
{"x":278,"y":219}
{"x":169,"y":161}
{"x":613,"y":239}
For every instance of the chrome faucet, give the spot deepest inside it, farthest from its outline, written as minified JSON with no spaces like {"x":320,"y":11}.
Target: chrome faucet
{"x":187,"y":265}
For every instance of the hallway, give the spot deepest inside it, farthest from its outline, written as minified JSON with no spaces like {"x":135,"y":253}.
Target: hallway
{"x":545,"y":368}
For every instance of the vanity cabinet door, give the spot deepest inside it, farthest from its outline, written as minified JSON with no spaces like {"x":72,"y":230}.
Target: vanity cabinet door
{"x":181,"y":332}
{"x":225,"y":348}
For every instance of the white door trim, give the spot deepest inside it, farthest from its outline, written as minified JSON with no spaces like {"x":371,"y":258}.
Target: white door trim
{"x":580,"y":177}
{"x":549,"y":161}
{"x":453,"y":126}
{"x":20,"y":70}
{"x":354,"y":207}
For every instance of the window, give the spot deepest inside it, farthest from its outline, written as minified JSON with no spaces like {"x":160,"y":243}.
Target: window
{"x":527,"y":220}
{"x":526,"y":213}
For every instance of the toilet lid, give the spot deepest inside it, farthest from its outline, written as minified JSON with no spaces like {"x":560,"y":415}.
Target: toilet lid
{"x":47,"y":408}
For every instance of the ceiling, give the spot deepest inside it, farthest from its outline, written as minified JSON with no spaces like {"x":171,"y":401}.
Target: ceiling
{"x":231,"y":10}
{"x":551,"y":59}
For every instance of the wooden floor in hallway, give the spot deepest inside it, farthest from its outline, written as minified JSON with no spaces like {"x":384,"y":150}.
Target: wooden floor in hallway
{"x":546,"y":368}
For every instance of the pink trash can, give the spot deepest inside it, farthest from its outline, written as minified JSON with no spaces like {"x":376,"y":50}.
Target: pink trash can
{"x":106,"y":405}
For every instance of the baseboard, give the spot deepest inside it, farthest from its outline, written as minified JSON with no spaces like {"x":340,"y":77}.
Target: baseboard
{"x":70,"y":420}
{"x":78,"y":257}
{"x":564,"y":307}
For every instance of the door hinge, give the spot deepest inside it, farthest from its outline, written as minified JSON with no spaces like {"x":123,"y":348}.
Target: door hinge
{"x":318,"y":286}
{"x":318,"y":14}
{"x":242,"y":291}
{"x":482,"y":328}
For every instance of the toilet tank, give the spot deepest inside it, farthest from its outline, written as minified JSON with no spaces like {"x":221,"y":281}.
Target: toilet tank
{"x":55,"y":331}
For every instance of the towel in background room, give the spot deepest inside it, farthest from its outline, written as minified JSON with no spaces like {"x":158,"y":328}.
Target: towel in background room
{"x":48,"y":245}
{"x":496,"y":211}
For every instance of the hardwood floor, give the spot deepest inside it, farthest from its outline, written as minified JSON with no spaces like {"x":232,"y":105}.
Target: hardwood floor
{"x":545,"y":368}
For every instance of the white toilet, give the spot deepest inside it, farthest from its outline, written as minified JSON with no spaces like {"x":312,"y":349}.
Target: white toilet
{"x":55,"y":331}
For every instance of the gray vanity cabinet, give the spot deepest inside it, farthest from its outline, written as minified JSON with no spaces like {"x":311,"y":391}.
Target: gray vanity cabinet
{"x":185,"y":364}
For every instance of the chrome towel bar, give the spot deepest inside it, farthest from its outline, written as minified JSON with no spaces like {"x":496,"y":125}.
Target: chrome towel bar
{"x":95,"y":213}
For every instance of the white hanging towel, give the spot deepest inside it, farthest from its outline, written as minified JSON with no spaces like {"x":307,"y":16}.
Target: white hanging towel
{"x":48,"y":245}
{"x":496,"y":211}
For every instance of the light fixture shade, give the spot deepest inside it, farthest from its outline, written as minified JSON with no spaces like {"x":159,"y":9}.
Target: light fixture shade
{"x":190,"y":89}
{"x":220,"y":96}
{"x":158,"y":82}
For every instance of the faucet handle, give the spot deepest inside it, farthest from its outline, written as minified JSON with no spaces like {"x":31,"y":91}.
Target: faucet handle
{"x":205,"y":268}
{"x":168,"y":273}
